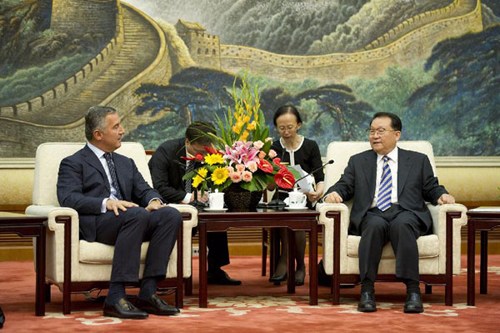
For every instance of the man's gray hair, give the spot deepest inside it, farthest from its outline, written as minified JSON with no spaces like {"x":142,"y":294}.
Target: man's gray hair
{"x":95,"y":119}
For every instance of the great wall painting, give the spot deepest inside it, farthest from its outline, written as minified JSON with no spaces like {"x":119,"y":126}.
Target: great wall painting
{"x":166,"y":63}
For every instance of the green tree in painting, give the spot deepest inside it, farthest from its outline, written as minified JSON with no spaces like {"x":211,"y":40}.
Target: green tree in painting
{"x":330,"y":112}
{"x":172,"y":98}
{"x":463,"y":97}
{"x":192,"y":94}
{"x":347,"y":118}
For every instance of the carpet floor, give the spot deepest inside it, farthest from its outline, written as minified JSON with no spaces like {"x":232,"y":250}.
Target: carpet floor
{"x":258,"y":306}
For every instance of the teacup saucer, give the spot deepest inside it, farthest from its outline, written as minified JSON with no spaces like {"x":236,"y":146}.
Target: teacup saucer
{"x":296,"y":208}
{"x":208,"y":209}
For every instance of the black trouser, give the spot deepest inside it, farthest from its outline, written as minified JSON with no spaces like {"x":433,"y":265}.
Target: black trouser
{"x":395,"y":225}
{"x":128,"y":230}
{"x":218,"y":249}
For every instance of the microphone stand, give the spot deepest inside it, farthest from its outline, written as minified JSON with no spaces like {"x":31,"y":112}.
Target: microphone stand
{"x":314,"y":171}
{"x":196,"y":203}
{"x":277,"y":202}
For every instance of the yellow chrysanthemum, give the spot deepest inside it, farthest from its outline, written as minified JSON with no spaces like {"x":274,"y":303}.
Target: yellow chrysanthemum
{"x":200,"y":177}
{"x":197,"y":180}
{"x":212,"y":159}
{"x":202,"y":172}
{"x":219,"y":176}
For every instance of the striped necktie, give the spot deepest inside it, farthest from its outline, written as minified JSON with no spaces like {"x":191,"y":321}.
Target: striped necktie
{"x":112,"y":172}
{"x":385,"y":187}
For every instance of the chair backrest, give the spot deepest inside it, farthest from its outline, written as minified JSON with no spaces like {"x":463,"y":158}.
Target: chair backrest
{"x":341,"y":151}
{"x":50,"y":154}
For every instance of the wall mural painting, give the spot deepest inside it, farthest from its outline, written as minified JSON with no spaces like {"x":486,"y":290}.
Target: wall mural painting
{"x":166,"y":63}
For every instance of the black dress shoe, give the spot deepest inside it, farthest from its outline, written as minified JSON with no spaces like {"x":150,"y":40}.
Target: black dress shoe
{"x":123,"y":309}
{"x":413,"y":303}
{"x":157,"y":306}
{"x":222,"y":278}
{"x":2,"y":318}
{"x":367,"y":302}
{"x":277,"y":279}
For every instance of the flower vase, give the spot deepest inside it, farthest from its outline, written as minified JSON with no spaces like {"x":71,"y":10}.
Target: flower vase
{"x":238,"y":199}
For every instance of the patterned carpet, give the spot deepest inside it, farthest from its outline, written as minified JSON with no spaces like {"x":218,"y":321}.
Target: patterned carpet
{"x":258,"y":306}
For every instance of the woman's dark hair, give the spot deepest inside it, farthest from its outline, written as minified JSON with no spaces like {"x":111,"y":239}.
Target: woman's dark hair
{"x":287,"y":109}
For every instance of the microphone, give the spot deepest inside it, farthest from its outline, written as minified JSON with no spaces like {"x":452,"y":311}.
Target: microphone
{"x":278,"y":202}
{"x":314,"y":171}
{"x":196,"y":203}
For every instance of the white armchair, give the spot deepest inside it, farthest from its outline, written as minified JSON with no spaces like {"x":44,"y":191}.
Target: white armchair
{"x":439,"y":252}
{"x":76,"y":265}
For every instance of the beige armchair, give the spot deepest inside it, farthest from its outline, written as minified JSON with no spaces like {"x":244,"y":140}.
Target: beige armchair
{"x":76,"y":265}
{"x":439,"y":252}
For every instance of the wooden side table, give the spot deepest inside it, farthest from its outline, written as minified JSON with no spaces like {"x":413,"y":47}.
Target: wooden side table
{"x":30,"y":226}
{"x":297,"y":220}
{"x":479,"y":219}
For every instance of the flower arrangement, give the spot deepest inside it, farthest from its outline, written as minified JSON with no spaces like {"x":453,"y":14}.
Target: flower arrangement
{"x":242,"y":151}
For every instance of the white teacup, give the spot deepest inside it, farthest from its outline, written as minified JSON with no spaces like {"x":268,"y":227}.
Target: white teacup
{"x":216,"y":200}
{"x":297,"y":199}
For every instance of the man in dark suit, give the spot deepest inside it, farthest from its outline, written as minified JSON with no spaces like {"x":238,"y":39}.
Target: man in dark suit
{"x":117,"y":207}
{"x":389,"y":187}
{"x":167,"y":169}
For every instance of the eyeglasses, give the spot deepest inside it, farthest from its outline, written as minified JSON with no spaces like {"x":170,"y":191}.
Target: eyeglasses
{"x":285,"y":128}
{"x":379,"y":131}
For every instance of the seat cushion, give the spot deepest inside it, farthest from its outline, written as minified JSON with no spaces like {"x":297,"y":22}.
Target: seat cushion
{"x":98,"y":253}
{"x":428,"y":247}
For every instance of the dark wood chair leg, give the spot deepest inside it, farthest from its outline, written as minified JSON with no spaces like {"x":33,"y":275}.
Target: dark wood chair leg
{"x":66,"y":301}
{"x":428,"y":289}
{"x":47,"y":293}
{"x":179,"y":292}
{"x":274,"y":250}
{"x":265,"y":242}
{"x":188,"y":285}
{"x":448,"y":289}
{"x":448,"y":294}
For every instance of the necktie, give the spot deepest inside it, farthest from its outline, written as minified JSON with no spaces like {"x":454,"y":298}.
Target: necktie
{"x":385,"y":187}
{"x":189,"y":168}
{"x":114,"y":178}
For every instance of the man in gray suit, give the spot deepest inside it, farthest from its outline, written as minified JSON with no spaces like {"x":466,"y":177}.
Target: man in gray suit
{"x":117,"y":207}
{"x":389,"y":187}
